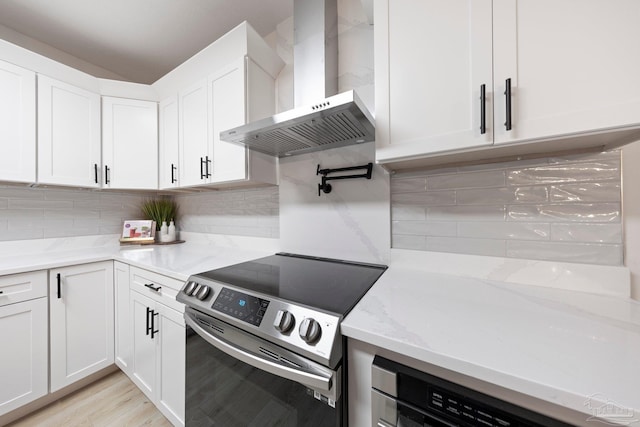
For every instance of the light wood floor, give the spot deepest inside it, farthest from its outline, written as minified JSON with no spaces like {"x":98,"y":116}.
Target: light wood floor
{"x":112,"y":401}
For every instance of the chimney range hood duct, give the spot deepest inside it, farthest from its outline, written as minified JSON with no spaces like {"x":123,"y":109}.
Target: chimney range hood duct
{"x":319,"y":121}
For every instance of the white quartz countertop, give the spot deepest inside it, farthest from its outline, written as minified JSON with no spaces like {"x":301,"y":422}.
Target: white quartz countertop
{"x":178,"y":261}
{"x":574,"y":349}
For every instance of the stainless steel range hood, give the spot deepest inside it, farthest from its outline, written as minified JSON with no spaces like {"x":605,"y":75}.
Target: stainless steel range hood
{"x":320,"y":119}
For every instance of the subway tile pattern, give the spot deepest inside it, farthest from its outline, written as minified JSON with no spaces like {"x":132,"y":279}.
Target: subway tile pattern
{"x":246,"y":212}
{"x":559,"y":208}
{"x":39,"y":213}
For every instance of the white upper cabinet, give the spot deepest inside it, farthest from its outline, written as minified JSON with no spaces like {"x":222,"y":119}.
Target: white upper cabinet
{"x":432,"y":59}
{"x":68,"y":134}
{"x":129,"y":144}
{"x":557,"y":75}
{"x":169,"y":144}
{"x":17,"y":124}
{"x":230,"y":97}
{"x":195,"y":153}
{"x":574,"y":66}
{"x":227,"y":99}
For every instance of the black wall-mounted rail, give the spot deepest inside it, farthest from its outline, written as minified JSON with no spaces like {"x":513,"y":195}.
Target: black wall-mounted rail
{"x":325,"y":187}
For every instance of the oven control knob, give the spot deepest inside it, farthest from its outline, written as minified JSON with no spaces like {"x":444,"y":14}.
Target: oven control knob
{"x":284,"y":321}
{"x":191,"y":286}
{"x":203,"y":292}
{"x":309,"y":330}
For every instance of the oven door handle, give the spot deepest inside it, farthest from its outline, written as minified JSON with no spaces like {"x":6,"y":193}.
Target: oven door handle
{"x":308,"y":379}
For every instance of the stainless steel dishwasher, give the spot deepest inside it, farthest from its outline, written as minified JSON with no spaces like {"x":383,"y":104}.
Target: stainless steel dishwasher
{"x":405,"y":397}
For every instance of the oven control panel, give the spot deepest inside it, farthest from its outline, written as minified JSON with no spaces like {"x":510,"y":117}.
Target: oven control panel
{"x":247,"y":308}
{"x":311,"y":333}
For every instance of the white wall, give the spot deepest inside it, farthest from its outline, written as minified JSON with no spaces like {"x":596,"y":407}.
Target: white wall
{"x":351,"y":222}
{"x":51,"y":52}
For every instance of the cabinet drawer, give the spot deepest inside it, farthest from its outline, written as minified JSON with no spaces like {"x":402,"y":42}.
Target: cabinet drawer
{"x":157,"y":287}
{"x":22,"y":287}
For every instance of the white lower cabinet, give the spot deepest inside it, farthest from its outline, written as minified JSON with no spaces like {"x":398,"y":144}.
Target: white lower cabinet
{"x":23,"y":322}
{"x":123,"y":331}
{"x":81,"y":321}
{"x":158,"y":342}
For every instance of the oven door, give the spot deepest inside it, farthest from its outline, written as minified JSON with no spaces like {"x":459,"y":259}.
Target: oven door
{"x":234,"y":379}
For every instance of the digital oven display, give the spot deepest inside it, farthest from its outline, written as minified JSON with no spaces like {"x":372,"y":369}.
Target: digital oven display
{"x":244,"y":307}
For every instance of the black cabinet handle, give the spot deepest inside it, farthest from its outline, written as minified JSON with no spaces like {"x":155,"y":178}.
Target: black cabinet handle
{"x":150,"y":286}
{"x":95,"y":172}
{"x":201,"y":168}
{"x":59,"y":287}
{"x":208,"y":175}
{"x":507,"y":94}
{"x":173,"y":169}
{"x":148,"y":313}
{"x":153,"y":323}
{"x":1,"y":292}
{"x":483,"y":109}
{"x":106,"y":174}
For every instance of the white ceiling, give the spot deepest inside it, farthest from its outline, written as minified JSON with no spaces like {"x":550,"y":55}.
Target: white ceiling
{"x":140,"y":40}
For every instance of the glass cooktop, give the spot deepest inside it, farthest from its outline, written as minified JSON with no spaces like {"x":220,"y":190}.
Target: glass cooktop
{"x":326,"y":284}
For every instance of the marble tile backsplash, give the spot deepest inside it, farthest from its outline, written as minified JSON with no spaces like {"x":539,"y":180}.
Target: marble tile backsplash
{"x":39,"y":213}
{"x":246,"y":212}
{"x":559,"y":208}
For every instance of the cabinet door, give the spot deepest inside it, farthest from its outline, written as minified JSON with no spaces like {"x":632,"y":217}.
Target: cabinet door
{"x":227,"y":99}
{"x":195,"y":155}
{"x":432,"y":56}
{"x":129,"y":144}
{"x":123,"y":331}
{"x":169,"y":144}
{"x":68,"y":134}
{"x":144,"y":346}
{"x":17,"y":124}
{"x":573,"y":65}
{"x":171,"y":367}
{"x":82,"y":320}
{"x":24,"y":359}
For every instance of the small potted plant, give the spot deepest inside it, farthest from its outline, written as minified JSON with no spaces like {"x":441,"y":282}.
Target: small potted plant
{"x":163,"y":211}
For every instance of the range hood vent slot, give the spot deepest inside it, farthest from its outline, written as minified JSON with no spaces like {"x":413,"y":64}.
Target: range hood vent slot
{"x":345,"y":121}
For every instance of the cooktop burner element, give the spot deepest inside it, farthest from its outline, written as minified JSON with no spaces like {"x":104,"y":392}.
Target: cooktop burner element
{"x":292,"y":300}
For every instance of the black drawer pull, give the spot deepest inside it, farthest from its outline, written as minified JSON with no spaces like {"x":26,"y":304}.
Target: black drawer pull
{"x":59,"y":287}
{"x":148,"y":312}
{"x":153,"y":323}
{"x":150,"y":286}
{"x":507,"y":95}
{"x":483,"y":109}
{"x":207,"y":162}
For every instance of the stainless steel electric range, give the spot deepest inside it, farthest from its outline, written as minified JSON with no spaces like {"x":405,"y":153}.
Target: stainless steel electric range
{"x":264,"y":346}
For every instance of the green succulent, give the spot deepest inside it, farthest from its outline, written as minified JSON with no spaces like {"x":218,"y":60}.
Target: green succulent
{"x":160,"y":210}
